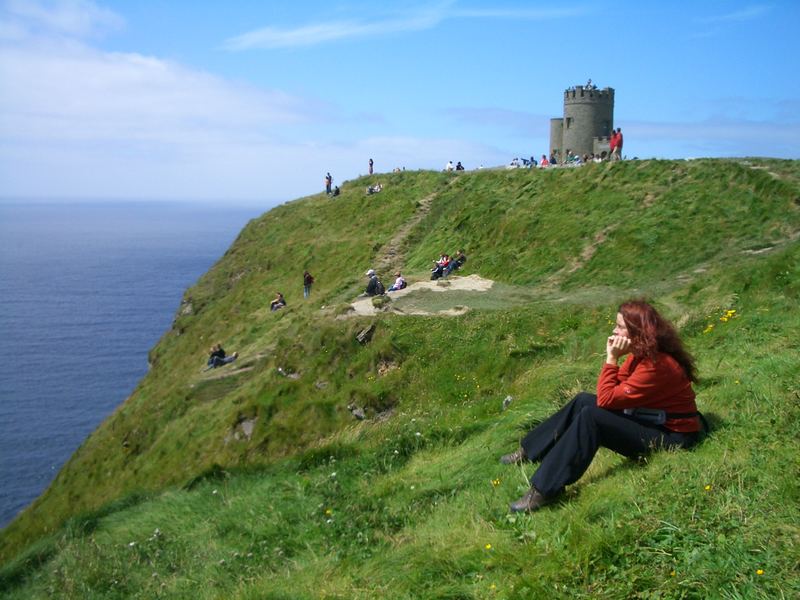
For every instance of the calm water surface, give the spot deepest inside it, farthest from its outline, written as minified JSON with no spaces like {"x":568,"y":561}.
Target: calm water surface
{"x":86,"y":289}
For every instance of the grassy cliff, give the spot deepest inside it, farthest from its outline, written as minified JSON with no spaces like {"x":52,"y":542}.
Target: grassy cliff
{"x":255,"y":480}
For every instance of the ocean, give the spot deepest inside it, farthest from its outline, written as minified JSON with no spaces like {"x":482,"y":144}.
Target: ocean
{"x":86,"y":289}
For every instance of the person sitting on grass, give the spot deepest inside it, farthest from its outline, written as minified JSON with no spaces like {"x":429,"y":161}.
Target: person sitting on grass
{"x":646,"y":404}
{"x":278,"y":303}
{"x":456,"y":263}
{"x":399,"y":283}
{"x":439,"y":266}
{"x":218,"y":358}
{"x":374,"y":285}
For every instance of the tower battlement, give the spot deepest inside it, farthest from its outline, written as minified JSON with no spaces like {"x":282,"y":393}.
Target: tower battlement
{"x":580,"y":93}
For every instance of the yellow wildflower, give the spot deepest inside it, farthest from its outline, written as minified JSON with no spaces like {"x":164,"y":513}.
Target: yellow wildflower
{"x":328,"y":511}
{"x":488,"y":546}
{"x":707,"y":488}
{"x":672,"y":573}
{"x":760,"y":572}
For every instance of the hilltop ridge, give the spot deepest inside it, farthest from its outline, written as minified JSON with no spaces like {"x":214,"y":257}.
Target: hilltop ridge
{"x":414,"y":481}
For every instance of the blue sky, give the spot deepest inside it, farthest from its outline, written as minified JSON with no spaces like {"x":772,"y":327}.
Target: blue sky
{"x":255,"y":101}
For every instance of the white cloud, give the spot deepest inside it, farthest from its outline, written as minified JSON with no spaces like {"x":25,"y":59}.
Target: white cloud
{"x":746,"y":14}
{"x":77,"y":121}
{"x":77,"y":18}
{"x":419,"y":20}
{"x":70,"y":91}
{"x":309,"y":35}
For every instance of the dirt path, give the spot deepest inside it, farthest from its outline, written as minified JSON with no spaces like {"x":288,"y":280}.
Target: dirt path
{"x":390,"y":257}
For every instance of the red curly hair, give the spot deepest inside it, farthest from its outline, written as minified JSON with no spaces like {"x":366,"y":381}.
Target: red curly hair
{"x":650,"y":333}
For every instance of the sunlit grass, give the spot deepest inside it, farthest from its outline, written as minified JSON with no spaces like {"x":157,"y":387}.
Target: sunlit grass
{"x":165,"y":501}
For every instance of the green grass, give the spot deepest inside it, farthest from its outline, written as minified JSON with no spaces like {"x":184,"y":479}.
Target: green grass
{"x":164,"y":501}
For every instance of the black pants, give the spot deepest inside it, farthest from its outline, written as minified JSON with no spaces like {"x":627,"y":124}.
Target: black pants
{"x":567,"y":442}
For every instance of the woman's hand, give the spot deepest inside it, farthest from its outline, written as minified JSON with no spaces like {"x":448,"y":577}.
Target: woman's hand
{"x":616,"y":346}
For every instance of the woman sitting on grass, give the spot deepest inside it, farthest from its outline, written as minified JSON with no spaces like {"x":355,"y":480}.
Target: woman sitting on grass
{"x":646,"y":404}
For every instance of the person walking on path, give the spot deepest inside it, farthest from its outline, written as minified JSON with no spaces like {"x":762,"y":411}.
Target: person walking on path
{"x":308,"y":280}
{"x":646,"y":404}
{"x":328,"y":183}
{"x":370,"y":166}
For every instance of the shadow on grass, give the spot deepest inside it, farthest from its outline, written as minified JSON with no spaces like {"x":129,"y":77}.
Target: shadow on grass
{"x":15,"y":572}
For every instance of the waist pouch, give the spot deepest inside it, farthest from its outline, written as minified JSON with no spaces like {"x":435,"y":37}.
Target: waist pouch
{"x":659,"y":417}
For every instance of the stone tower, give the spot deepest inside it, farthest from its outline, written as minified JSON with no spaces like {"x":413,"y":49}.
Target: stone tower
{"x":587,"y":122}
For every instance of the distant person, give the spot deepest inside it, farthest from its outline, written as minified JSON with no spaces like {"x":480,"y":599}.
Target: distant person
{"x":399,"y":283}
{"x":278,"y":303}
{"x":374,"y":189}
{"x":544,"y":162}
{"x":217,"y":357}
{"x":308,"y":281}
{"x":328,"y":183}
{"x":374,"y":286}
{"x":459,"y":166}
{"x":370,"y":166}
{"x":612,"y":146}
{"x":449,"y":166}
{"x":646,"y":404}
{"x":439,"y":266}
{"x":335,"y":191}
{"x":533,"y":163}
{"x":618,"y":147}
{"x":455,"y":263}
{"x":553,"y":158}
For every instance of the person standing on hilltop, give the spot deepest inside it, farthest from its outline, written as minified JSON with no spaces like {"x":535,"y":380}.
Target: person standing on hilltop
{"x":308,"y":281}
{"x":328,"y":183}
{"x":618,"y":147}
{"x":370,"y":166}
{"x":612,"y":145}
{"x":646,"y":404}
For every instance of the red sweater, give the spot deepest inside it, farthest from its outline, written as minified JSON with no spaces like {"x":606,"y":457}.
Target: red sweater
{"x":642,"y":383}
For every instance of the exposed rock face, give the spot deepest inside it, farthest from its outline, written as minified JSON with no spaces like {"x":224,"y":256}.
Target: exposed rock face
{"x":357,"y":412}
{"x":242,"y":431}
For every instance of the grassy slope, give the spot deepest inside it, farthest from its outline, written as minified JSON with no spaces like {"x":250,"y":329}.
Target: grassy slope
{"x":411,"y":515}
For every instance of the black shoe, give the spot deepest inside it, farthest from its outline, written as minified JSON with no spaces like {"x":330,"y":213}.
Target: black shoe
{"x":531,"y":501}
{"x":514,"y":458}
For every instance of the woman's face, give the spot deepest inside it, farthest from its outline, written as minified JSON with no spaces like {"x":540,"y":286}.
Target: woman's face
{"x":621,"y":329}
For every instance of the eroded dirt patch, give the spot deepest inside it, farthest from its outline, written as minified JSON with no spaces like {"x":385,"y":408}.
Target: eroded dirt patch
{"x":470,"y":283}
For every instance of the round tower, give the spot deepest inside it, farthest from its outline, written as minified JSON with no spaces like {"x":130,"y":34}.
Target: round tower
{"x":588,"y":113}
